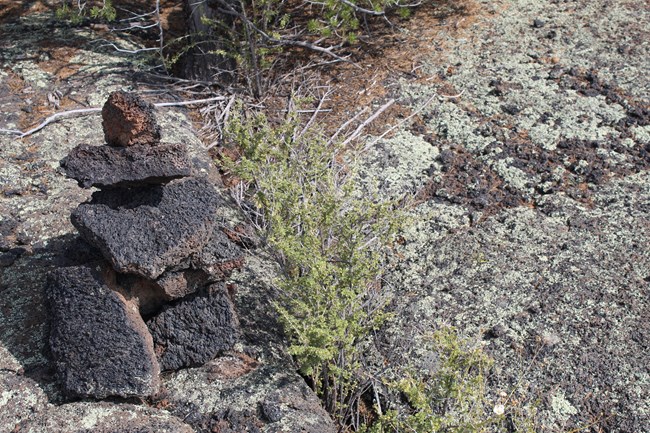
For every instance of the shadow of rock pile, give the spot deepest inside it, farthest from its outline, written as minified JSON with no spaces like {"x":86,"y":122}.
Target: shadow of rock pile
{"x":153,"y":296}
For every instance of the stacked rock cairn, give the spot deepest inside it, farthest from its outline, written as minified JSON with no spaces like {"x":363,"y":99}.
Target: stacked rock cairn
{"x":151,"y":294}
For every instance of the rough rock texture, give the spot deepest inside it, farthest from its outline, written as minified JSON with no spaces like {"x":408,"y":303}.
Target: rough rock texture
{"x":102,"y":417}
{"x":104,"y":166}
{"x":151,"y":295}
{"x":20,"y":398}
{"x":175,"y":285}
{"x":195,"y":329}
{"x":531,"y":231}
{"x":99,"y":342}
{"x":129,"y":121}
{"x":148,"y":230}
{"x":220,"y":256}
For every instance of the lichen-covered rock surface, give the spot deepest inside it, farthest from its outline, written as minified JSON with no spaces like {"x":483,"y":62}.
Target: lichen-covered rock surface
{"x":529,"y":161}
{"x":102,"y":417}
{"x":40,"y":56}
{"x":528,"y":157}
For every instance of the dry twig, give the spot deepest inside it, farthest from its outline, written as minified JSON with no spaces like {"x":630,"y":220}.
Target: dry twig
{"x":415,"y":113}
{"x":360,"y":128}
{"x":92,"y":110}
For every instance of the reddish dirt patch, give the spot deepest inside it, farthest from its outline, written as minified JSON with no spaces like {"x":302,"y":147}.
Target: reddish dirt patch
{"x":376,"y":64}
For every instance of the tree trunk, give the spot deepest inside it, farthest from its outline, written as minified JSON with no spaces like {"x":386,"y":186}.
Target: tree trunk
{"x":201,"y":61}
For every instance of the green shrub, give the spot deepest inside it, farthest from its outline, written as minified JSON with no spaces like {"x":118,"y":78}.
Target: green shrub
{"x":76,"y":12}
{"x":451,"y":398}
{"x":329,"y":241}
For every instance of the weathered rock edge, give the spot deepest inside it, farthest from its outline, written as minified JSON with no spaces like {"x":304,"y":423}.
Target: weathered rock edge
{"x":105,"y":166}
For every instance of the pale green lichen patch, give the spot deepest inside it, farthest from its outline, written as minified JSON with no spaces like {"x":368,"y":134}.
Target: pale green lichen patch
{"x":561,"y":406}
{"x":397,"y":165}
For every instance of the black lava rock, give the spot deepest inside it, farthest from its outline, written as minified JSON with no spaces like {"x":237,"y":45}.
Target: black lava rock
{"x":128,"y":120}
{"x":105,"y":166}
{"x":100,"y":344}
{"x":195,"y":329}
{"x":147,"y":231}
{"x":219,"y":257}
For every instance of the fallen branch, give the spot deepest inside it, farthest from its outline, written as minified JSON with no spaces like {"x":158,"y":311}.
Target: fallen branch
{"x":315,"y":113}
{"x":345,"y":125}
{"x":357,"y":132}
{"x":362,"y":10}
{"x":92,"y":110}
{"x":192,"y":102}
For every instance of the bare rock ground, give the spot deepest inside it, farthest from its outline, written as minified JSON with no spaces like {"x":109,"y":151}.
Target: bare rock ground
{"x":531,"y":223}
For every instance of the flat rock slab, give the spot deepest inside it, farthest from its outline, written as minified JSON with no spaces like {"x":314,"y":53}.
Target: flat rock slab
{"x":128,"y":121}
{"x":100,"y":345}
{"x":105,"y":166}
{"x":20,"y":398}
{"x":150,"y":230}
{"x":196,"y":329}
{"x":103,"y":417}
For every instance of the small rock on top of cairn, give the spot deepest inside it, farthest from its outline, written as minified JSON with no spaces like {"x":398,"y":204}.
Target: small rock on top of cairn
{"x":129,"y":121}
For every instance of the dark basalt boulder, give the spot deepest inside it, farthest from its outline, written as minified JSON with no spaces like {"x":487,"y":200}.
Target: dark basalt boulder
{"x":100,"y":344}
{"x":129,"y":121}
{"x":105,"y":166}
{"x":145,"y":231}
{"x":195,"y":329}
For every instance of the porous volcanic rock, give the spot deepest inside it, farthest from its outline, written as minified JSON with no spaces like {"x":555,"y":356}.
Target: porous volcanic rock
{"x":151,"y":295}
{"x":99,"y":342}
{"x":104,"y":166}
{"x":219,"y":257}
{"x":145,"y":231}
{"x":129,"y":121}
{"x":175,"y":285}
{"x":103,"y":417}
{"x":195,"y":329}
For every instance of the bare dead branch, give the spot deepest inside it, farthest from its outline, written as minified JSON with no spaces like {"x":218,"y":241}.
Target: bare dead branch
{"x":360,"y":128}
{"x":122,"y":50}
{"x":313,"y":116}
{"x":346,"y":124}
{"x":362,"y":10}
{"x":415,"y":113}
{"x":85,"y":111}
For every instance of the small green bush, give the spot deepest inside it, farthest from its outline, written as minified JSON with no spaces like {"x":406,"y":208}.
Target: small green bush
{"x":451,"y":398}
{"x":329,"y":241}
{"x":75,"y":13}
